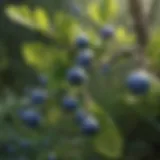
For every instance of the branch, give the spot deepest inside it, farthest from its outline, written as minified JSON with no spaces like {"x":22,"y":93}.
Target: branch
{"x":140,"y":21}
{"x":141,"y":29}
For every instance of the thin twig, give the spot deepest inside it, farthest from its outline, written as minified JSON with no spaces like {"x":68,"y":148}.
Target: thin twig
{"x":122,"y":53}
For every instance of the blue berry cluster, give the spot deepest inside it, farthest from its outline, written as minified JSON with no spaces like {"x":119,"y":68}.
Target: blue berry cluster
{"x":31,"y":117}
{"x":77,"y":76}
{"x":136,"y":82}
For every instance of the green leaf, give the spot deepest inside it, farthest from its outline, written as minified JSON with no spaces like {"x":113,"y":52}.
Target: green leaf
{"x":41,"y":20}
{"x":103,"y":11}
{"x":93,"y":12}
{"x":36,"y":54}
{"x":20,"y":14}
{"x":123,"y":37}
{"x":109,"y":141}
{"x":66,"y":27}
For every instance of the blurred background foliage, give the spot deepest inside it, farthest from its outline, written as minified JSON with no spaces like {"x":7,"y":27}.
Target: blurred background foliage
{"x":38,"y":37}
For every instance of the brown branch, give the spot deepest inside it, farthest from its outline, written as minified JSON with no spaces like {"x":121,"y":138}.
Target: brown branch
{"x":140,"y":21}
{"x":141,"y":28}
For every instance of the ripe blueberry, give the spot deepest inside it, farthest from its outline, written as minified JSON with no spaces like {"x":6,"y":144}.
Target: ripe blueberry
{"x":90,"y":126}
{"x":76,"y":76}
{"x":82,"y":42}
{"x":107,"y":32}
{"x":38,"y":96}
{"x":31,"y":118}
{"x":85,"y":58}
{"x":138,"y":82}
{"x":70,"y":103}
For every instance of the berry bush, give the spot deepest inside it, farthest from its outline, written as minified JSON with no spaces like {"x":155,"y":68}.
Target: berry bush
{"x":97,"y":94}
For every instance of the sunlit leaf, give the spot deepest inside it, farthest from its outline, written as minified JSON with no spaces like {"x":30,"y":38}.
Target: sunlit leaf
{"x":103,"y":11}
{"x":21,"y":14}
{"x":66,"y":27}
{"x":109,"y":141}
{"x":124,"y":37}
{"x":41,"y":19}
{"x":37,"y":54}
{"x":93,"y":12}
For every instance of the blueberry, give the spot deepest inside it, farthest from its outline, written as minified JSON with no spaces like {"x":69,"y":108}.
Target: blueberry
{"x":90,"y":126}
{"x":31,"y":118}
{"x":76,"y":76}
{"x":82,"y":42}
{"x":107,"y":32}
{"x":70,"y":103}
{"x":85,"y":58}
{"x":38,"y":96}
{"x":138,"y":82}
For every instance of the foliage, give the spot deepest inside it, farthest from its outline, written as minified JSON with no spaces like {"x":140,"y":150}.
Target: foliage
{"x":105,"y":94}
